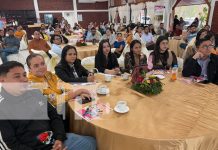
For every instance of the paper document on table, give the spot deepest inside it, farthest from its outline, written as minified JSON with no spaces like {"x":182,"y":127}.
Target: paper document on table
{"x":94,"y":111}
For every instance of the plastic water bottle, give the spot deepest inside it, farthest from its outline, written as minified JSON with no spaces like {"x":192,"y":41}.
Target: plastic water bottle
{"x":174,"y":73}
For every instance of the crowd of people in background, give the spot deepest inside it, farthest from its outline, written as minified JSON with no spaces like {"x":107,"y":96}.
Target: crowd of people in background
{"x":199,"y":52}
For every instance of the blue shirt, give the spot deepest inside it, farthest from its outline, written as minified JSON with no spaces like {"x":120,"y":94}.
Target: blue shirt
{"x":56,"y":49}
{"x":1,"y":25}
{"x":191,"y":36}
{"x":12,"y":41}
{"x":204,"y":64}
{"x":117,"y":44}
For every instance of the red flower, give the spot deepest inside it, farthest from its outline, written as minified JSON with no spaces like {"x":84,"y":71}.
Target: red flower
{"x":151,"y":81}
{"x":43,"y":137}
{"x":139,"y":79}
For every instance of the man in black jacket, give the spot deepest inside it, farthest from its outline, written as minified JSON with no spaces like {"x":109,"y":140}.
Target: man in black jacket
{"x":25,"y":123}
{"x":203,"y":64}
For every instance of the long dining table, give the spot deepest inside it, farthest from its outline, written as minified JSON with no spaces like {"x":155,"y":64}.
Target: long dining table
{"x":184,"y":116}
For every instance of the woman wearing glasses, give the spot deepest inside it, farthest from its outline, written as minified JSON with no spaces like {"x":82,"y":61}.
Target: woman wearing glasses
{"x":162,"y":57}
{"x":203,"y":64}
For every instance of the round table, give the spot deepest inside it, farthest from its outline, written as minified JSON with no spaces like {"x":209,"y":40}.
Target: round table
{"x":182,"y":117}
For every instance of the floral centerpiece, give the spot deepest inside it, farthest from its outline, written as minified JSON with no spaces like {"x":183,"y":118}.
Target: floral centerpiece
{"x":80,"y":43}
{"x":146,"y":84}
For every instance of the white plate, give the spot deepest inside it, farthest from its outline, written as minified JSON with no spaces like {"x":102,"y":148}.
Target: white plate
{"x":160,"y":76}
{"x":119,"y":111}
{"x":103,"y":93}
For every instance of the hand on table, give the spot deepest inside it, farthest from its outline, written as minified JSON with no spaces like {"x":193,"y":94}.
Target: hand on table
{"x":90,"y":78}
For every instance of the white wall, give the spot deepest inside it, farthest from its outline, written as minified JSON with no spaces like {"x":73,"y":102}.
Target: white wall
{"x":211,"y":11}
{"x":70,"y":17}
{"x":124,"y":11}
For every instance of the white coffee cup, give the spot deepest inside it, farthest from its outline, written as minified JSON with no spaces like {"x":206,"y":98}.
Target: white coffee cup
{"x":108,"y":78}
{"x":121,"y":105}
{"x":103,"y":89}
{"x":125,"y":76}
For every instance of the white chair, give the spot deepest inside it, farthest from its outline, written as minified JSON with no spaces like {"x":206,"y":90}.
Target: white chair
{"x":180,"y":63}
{"x":88,"y":62}
{"x":50,"y":62}
{"x":121,"y":61}
{"x":113,"y":50}
{"x":23,"y":42}
{"x":126,"y":49}
{"x":20,"y":57}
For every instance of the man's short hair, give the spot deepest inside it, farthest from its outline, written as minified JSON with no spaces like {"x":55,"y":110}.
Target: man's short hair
{"x":193,"y":25}
{"x":30,"y":57}
{"x":200,"y":41}
{"x":10,"y":29}
{"x":7,"y":66}
{"x":93,"y":28}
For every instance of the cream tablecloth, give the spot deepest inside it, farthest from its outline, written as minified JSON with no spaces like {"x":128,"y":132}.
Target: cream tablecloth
{"x":85,"y":51}
{"x":182,"y":117}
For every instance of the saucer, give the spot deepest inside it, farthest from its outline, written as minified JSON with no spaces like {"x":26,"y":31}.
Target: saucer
{"x":160,"y":76}
{"x":103,"y":93}
{"x":116,"y":109}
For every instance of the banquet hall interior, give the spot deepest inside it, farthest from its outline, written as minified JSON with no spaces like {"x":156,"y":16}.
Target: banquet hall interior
{"x":108,"y":74}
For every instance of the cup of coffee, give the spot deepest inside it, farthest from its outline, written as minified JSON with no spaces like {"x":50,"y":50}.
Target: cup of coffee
{"x":121,"y":105}
{"x":103,"y":89}
{"x":125,"y":76}
{"x":108,"y":78}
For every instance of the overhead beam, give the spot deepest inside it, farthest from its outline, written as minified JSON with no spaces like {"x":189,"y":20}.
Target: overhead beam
{"x":177,"y":2}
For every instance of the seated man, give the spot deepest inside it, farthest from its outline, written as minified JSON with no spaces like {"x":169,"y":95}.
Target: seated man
{"x":38,"y":73}
{"x":38,"y":44}
{"x":161,"y":30}
{"x":10,"y":45}
{"x":95,"y":36}
{"x":56,"y":41}
{"x":30,"y":134}
{"x":203,"y":63}
{"x":148,"y":38}
{"x":2,"y":37}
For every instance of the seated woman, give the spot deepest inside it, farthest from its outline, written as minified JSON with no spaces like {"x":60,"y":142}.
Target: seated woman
{"x":39,"y":74}
{"x":203,"y":64}
{"x":69,"y":69}
{"x":161,"y":57}
{"x":109,"y":36}
{"x":119,"y":45}
{"x":135,"y":56}
{"x":44,"y":35}
{"x":19,"y":33}
{"x":105,"y":61}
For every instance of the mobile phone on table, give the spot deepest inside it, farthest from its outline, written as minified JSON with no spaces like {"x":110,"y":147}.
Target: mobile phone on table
{"x":85,"y":100}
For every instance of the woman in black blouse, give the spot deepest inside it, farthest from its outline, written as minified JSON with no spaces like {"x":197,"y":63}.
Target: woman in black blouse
{"x":105,"y":61}
{"x":162,"y":57}
{"x":69,"y":69}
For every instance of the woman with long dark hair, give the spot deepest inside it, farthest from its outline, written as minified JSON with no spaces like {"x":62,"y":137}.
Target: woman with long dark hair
{"x":135,"y":57}
{"x":105,"y":61}
{"x":161,"y":57}
{"x":69,"y":69}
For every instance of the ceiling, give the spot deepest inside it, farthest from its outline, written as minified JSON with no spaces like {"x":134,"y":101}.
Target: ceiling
{"x":191,"y":2}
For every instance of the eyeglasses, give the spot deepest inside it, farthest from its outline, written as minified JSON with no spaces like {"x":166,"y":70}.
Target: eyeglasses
{"x":208,"y":47}
{"x":57,"y":38}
